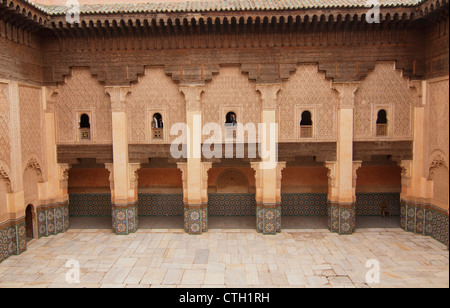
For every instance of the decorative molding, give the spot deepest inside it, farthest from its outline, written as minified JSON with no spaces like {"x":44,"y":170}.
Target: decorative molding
{"x":192,"y":94}
{"x":406,"y":166}
{"x":118,"y":96}
{"x":63,"y":174}
{"x":437,"y":161}
{"x":206,"y":166}
{"x":280,"y":167}
{"x":184,"y":177}
{"x":356,"y":166}
{"x":331,"y":166}
{"x":269,"y":94}
{"x":4,"y":175}
{"x":134,"y":168}
{"x":33,"y":164}
{"x":416,"y":85}
{"x":346,"y":92}
{"x":110,"y":168}
{"x":51,"y":94}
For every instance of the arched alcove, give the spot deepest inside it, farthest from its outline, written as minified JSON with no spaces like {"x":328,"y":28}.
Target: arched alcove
{"x":232,"y":181}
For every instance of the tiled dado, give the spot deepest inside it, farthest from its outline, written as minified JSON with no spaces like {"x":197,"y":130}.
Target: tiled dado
{"x":90,"y":205}
{"x":368,"y":204}
{"x":296,"y":204}
{"x":125,"y":218}
{"x":160,"y":204}
{"x":12,"y":238}
{"x":231,"y":204}
{"x":341,"y":218}
{"x":268,"y":218}
{"x":196,"y":218}
{"x":52,"y":219}
{"x":425,"y":219}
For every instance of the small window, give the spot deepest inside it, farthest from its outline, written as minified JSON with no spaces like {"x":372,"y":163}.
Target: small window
{"x":231,"y":119}
{"x":306,"y":125}
{"x":157,"y":126}
{"x":382,"y":123}
{"x":85,"y":127}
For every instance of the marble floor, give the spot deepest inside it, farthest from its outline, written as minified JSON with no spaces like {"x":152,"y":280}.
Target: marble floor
{"x":238,"y":258}
{"x":287,"y":222}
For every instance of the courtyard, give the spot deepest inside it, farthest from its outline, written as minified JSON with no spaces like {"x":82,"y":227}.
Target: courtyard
{"x":237,"y":258}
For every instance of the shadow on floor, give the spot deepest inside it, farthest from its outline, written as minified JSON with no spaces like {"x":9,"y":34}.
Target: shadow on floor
{"x":287,"y":222}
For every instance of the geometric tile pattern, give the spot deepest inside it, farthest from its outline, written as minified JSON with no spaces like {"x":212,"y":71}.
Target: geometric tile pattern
{"x":160,"y":205}
{"x":425,"y":219}
{"x":52,"y":219}
{"x":369,"y":204}
{"x":268,"y":218}
{"x":231,"y":205}
{"x":341,"y":218}
{"x":125,"y":219}
{"x":195,"y":219}
{"x":304,"y":204}
{"x":12,"y":238}
{"x":90,"y":205}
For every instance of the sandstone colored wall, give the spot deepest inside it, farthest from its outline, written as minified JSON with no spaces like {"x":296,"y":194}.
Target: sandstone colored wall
{"x":160,"y":181}
{"x":154,"y":93}
{"x":384,"y":88}
{"x":307,"y":90}
{"x":89,"y":180}
{"x":230,"y":91}
{"x":4,"y":216}
{"x":378,"y":179}
{"x":82,"y":93}
{"x":304,"y":180}
{"x":436,"y":145}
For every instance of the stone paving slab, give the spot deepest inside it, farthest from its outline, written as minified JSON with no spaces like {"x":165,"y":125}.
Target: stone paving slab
{"x":296,"y":258}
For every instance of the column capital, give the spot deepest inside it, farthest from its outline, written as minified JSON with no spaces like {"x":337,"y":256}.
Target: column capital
{"x":118,"y":97}
{"x":50,"y":98}
{"x":192,"y":94}
{"x":406,"y":166}
{"x":346,"y":92}
{"x":269,"y":92}
{"x":110,"y":168}
{"x":134,"y":168}
{"x":63,"y":175}
{"x":356,"y":166}
{"x":4,"y":176}
{"x":331,"y":166}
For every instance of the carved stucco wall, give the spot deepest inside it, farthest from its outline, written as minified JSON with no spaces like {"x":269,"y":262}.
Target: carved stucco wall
{"x":384,"y":88}
{"x":31,"y":126}
{"x":436,"y":145}
{"x":231,"y":91}
{"x":5,"y":143}
{"x":154,"y":93}
{"x":4,"y":216}
{"x":30,"y":187}
{"x":80,"y":93}
{"x":308,"y":90}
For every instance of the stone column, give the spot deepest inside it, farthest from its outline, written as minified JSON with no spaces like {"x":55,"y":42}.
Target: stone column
{"x":268,"y":170}
{"x":53,"y":216}
{"x":124,"y":194}
{"x":341,"y":197}
{"x":416,"y":187}
{"x":16,"y":198}
{"x":195,"y":173}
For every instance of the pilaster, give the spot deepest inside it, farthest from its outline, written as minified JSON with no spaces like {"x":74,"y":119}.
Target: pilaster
{"x":124,"y":176}
{"x":268,"y":198}
{"x":195,"y":172}
{"x":342,"y":173}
